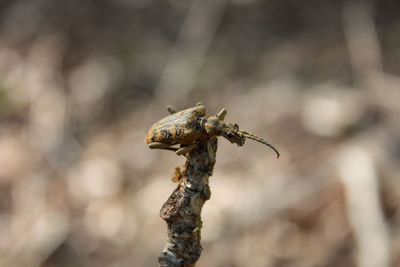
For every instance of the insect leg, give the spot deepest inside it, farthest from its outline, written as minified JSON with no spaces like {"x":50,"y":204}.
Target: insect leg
{"x":211,"y":152}
{"x":171,"y":109}
{"x":221,"y":114}
{"x":186,"y":149}
{"x":158,"y":145}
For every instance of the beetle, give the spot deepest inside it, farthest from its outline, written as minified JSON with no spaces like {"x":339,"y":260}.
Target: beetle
{"x":189,"y":126}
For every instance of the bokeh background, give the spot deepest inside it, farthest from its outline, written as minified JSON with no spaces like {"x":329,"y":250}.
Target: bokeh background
{"x":82,"y":81}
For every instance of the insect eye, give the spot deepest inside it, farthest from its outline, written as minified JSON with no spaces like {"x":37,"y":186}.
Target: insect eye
{"x":236,"y":127}
{"x":230,"y":134}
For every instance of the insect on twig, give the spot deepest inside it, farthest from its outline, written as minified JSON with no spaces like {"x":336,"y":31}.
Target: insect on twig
{"x":187,"y":127}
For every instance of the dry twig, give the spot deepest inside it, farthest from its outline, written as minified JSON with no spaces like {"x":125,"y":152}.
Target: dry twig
{"x":182,"y":209}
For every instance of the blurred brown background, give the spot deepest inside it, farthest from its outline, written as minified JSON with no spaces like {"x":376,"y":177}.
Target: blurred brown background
{"x":82,"y":81}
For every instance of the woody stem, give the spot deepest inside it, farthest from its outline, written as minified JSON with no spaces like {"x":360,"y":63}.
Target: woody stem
{"x":182,"y":210}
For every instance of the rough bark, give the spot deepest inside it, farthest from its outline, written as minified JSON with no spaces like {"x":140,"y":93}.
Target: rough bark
{"x":182,"y":210}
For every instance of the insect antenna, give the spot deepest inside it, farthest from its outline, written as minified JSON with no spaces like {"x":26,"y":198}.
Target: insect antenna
{"x":258,"y":139}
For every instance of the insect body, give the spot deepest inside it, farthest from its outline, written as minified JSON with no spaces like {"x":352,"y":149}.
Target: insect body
{"x":189,"y":126}
{"x":181,"y":127}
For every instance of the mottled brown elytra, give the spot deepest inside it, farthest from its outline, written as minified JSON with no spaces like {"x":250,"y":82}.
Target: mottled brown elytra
{"x":189,"y":126}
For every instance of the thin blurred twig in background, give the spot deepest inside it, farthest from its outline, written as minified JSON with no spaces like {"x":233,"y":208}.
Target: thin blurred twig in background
{"x":184,"y":64}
